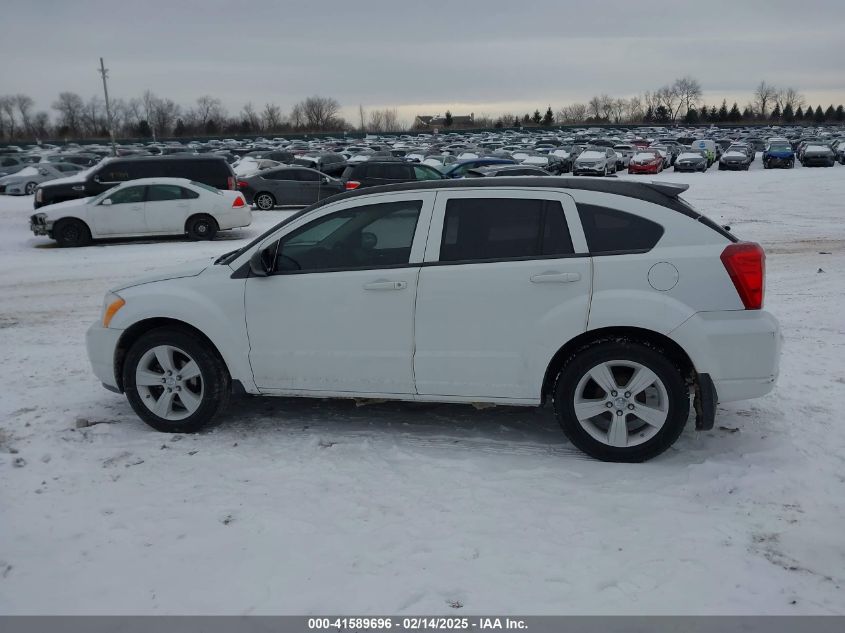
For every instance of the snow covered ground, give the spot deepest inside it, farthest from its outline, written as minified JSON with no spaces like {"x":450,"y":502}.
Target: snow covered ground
{"x":311,"y":507}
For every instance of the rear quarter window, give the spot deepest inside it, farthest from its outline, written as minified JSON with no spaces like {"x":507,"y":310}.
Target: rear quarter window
{"x":610,"y":231}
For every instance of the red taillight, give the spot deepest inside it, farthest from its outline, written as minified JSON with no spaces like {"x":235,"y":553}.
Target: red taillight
{"x":746,"y":264}
{"x":230,"y":183}
{"x":243,"y":184}
{"x":239,"y":202}
{"x":352,"y":184}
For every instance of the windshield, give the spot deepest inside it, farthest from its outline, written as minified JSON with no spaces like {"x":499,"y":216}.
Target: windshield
{"x":231,"y":256}
{"x":202,"y":185}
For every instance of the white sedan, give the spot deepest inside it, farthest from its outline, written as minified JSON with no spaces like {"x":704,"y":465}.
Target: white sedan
{"x":144,"y":207}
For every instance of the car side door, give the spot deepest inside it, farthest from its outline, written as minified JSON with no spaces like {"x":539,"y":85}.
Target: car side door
{"x":505,"y":283}
{"x":120,"y":213}
{"x":308,"y":182}
{"x":282,"y":183}
{"x":167,"y":207}
{"x":335,"y":312}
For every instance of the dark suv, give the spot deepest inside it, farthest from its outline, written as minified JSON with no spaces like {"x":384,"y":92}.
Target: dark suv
{"x":371,"y":173}
{"x":210,"y":170}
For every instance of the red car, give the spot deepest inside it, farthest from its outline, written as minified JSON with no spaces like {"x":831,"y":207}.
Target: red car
{"x":646,"y":162}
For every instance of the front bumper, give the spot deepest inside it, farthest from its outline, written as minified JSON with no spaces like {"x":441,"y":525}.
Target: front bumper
{"x":739,"y":349}
{"x":733,"y":165}
{"x":589,"y":169}
{"x":40,"y":226}
{"x":643,"y":169}
{"x":690,"y":166}
{"x":101,"y":343}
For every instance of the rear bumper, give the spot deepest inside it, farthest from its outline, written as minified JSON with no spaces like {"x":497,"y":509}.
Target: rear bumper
{"x":101,"y":343}
{"x":739,"y":349}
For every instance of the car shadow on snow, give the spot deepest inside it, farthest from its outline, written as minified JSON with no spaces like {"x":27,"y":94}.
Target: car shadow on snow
{"x":227,"y":236}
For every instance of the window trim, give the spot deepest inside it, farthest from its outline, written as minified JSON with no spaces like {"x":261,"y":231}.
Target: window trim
{"x":418,"y":245}
{"x":567,"y":203}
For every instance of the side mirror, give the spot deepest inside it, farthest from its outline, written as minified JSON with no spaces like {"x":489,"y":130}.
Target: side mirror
{"x":258,"y":264}
{"x":96,"y":178}
{"x":107,"y":202}
{"x":325,"y":180}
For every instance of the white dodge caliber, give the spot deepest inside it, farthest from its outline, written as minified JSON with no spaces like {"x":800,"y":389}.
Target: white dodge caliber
{"x":144,"y":207}
{"x":615,"y":300}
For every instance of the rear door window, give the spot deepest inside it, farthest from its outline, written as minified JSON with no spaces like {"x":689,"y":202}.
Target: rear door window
{"x":610,"y":231}
{"x":478,"y":229}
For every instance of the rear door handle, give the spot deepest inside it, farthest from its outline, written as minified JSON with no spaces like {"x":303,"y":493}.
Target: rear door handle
{"x":383,"y":284}
{"x":552,"y":277}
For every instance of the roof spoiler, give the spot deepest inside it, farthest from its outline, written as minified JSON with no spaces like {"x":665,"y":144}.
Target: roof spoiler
{"x":671,"y":189}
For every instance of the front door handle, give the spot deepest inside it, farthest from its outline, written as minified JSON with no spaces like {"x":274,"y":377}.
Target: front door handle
{"x":383,"y":284}
{"x":553,"y":277}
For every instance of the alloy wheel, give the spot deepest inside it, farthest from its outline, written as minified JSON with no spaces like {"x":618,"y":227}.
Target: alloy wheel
{"x":169,"y":382}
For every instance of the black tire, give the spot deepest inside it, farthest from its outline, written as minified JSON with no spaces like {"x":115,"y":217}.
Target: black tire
{"x":621,"y":350}
{"x":71,"y":233}
{"x":30,"y":188}
{"x":216,"y":383}
{"x":201,"y":227}
{"x":264,"y":201}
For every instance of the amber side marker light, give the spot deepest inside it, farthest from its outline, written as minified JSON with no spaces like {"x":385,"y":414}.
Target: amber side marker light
{"x":111,"y":310}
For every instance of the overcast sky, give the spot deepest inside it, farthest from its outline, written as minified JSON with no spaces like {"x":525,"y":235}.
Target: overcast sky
{"x":485,"y":57}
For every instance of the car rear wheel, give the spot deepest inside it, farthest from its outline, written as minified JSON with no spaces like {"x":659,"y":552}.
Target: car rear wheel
{"x":621,"y":401}
{"x":201,"y":227}
{"x":71,"y":233}
{"x":265,"y":201}
{"x":174,"y":381}
{"x":29,"y":189}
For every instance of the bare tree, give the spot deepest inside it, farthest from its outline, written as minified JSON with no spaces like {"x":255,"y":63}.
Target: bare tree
{"x":789,"y":97}
{"x":24,"y":104}
{"x":7,"y":111}
{"x":208,"y":108}
{"x":376,"y":122}
{"x":764,"y":95}
{"x":320,"y":112}
{"x":40,"y":124}
{"x":668,"y":97}
{"x":618,"y":107}
{"x":689,"y":93}
{"x":92,"y":116}
{"x":272,"y":116}
{"x":251,"y":116}
{"x":164,"y":115}
{"x":574,"y":113}
{"x":635,"y":110}
{"x":297,"y":116}
{"x":361,"y":116}
{"x":70,"y":106}
{"x":594,"y":107}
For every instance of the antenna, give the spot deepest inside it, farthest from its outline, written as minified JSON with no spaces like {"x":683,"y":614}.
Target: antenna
{"x":104,"y":72}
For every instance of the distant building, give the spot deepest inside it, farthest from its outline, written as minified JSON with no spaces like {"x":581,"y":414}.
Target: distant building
{"x":439,"y":121}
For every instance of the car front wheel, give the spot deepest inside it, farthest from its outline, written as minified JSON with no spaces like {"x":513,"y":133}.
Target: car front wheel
{"x":174,"y":381}
{"x":621,"y":401}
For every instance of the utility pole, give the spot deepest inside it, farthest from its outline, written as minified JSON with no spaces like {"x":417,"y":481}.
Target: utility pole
{"x":104,"y":72}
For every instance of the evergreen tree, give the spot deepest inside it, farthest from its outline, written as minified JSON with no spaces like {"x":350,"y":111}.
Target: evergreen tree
{"x":734,"y":114}
{"x":536,"y":118}
{"x":649,"y":115}
{"x":661,"y":114}
{"x":447,"y":120}
{"x":776,"y":113}
{"x":799,"y":114}
{"x":788,"y":114}
{"x":691,"y":117}
{"x":723,"y":112}
{"x":818,"y":117}
{"x":714,"y":115}
{"x":144,"y":130}
{"x":516,"y":120}
{"x":179,"y":130}
{"x":549,"y":117}
{"x":703,"y":114}
{"x":830,"y":113}
{"x":840,"y":113}
{"x":748,"y":114}
{"x":526,"y":119}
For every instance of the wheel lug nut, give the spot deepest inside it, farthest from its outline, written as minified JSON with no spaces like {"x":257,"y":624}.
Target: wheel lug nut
{"x":608,"y":404}
{"x":178,"y":377}
{"x":619,"y":413}
{"x":178,"y":388}
{"x":169,"y":373}
{"x":630,"y":406}
{"x":614,"y":394}
{"x":169,"y":390}
{"x":627,"y":394}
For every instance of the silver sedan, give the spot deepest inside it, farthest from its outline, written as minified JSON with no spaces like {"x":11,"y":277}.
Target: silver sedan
{"x":25,"y":181}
